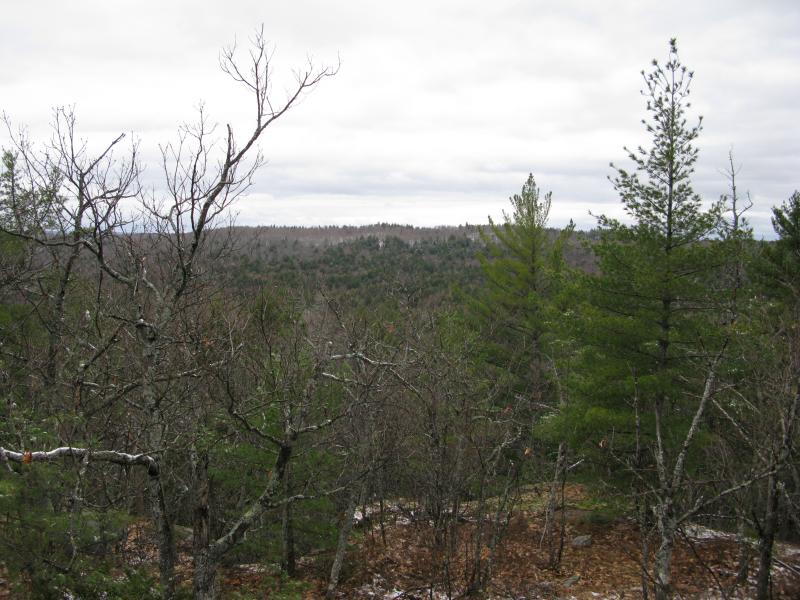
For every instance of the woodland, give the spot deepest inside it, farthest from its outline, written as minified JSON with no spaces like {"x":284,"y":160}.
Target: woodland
{"x":190,"y":409}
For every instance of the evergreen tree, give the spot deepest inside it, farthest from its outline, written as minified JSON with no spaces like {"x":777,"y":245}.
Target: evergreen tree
{"x":782,"y":264}
{"x":523,"y":267}
{"x":777,"y":360}
{"x":652,"y":326}
{"x":521,"y":312}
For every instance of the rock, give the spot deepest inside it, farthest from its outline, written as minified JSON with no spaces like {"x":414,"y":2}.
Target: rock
{"x":570,"y":581}
{"x":582,"y":541}
{"x":182,"y":533}
{"x":97,"y":536}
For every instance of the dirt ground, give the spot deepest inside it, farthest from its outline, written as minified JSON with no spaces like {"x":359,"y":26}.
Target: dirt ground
{"x":403,"y":560}
{"x":607,"y":568}
{"x":704,"y":564}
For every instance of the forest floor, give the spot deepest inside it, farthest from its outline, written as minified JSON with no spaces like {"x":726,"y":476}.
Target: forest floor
{"x":401,"y":561}
{"x":704,"y":565}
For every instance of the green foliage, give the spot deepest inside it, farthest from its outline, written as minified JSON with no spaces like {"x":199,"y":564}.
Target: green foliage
{"x":278,"y":587}
{"x":780,"y":269}
{"x":26,"y":210}
{"x":94,"y":581}
{"x":48,"y":549}
{"x":240,"y":471}
{"x":524,"y":263}
{"x":653,"y":316}
{"x":372,"y":270}
{"x":520,"y":308}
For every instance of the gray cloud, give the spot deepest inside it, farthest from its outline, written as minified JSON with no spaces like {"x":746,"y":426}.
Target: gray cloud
{"x":440,"y":108}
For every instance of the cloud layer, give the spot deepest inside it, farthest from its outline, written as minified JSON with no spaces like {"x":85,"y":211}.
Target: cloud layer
{"x":440,"y":109}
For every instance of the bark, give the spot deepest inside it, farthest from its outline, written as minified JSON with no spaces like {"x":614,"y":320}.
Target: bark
{"x":119,"y":458}
{"x":663,"y":559}
{"x":341,"y":546}
{"x":76,"y":506}
{"x":166,"y":540}
{"x":288,"y":557}
{"x":480,"y":571}
{"x":205,"y":577}
{"x":556,"y":491}
{"x":744,"y":552}
{"x":641,"y":513}
{"x":57,"y":327}
{"x":556,"y":486}
{"x":767,"y":539}
{"x":502,"y":517}
{"x":640,"y":503}
{"x":670,"y":482}
{"x":473,"y":576}
{"x":768,"y":528}
{"x":151,"y":357}
{"x":205,"y":582}
{"x":288,"y":565}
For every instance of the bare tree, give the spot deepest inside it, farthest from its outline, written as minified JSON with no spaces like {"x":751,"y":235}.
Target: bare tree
{"x":143,"y":253}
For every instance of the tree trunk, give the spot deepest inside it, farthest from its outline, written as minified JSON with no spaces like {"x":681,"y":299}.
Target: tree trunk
{"x":743,"y":567}
{"x":205,"y":576}
{"x":341,"y":547}
{"x":287,"y":530}
{"x":640,"y":499}
{"x":504,"y":510}
{"x":766,"y":539}
{"x":556,"y":486}
{"x":663,"y":559}
{"x":166,"y":541}
{"x":661,"y":569}
{"x":473,"y":575}
{"x":205,"y":572}
{"x":767,"y":530}
{"x":207,"y":559}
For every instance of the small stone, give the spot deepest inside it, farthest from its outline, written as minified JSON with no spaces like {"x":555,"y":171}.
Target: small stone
{"x":582,"y":541}
{"x":570,"y":581}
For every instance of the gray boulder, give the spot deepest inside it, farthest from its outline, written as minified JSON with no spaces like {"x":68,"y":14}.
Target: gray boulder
{"x":581,"y":541}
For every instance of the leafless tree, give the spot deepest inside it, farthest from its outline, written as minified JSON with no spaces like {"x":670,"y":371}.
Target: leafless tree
{"x":143,"y":254}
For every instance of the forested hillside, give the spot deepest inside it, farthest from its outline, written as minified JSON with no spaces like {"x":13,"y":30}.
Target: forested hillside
{"x":418,"y":264}
{"x":189,"y":410}
{"x":367,"y":264}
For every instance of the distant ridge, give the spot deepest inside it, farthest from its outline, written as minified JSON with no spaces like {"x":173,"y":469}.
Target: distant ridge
{"x":339,"y":234}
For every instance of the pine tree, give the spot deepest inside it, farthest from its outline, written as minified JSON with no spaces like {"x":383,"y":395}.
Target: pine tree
{"x":523,"y":267}
{"x":521,"y":311}
{"x":782,"y":265}
{"x":653,"y":333}
{"x":778,"y":359}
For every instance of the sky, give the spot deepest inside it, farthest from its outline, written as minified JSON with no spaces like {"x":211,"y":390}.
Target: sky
{"x":439,"y":109}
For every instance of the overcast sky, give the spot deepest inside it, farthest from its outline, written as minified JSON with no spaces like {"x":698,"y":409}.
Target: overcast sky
{"x":440,"y":108}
